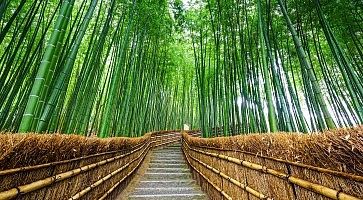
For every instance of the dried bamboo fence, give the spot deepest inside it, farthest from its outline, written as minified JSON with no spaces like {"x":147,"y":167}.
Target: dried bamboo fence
{"x":72,"y":167}
{"x":268,"y":166}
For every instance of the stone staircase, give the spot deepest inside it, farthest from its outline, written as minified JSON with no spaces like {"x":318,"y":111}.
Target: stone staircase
{"x":167,"y":177}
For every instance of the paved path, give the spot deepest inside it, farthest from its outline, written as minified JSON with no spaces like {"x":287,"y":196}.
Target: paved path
{"x":167,"y":177}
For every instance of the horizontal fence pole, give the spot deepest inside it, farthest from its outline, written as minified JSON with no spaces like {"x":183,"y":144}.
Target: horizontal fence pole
{"x":232,"y":180}
{"x":225,"y":195}
{"x":51,"y":164}
{"x":23,"y":189}
{"x":151,"y":142}
{"x":124,"y":178}
{"x":318,"y":169}
{"x":102,"y":180}
{"x":320,"y":189}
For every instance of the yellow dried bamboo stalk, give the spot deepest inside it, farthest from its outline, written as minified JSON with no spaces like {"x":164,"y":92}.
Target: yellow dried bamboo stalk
{"x":232,"y":180}
{"x":23,"y":189}
{"x":225,"y":195}
{"x":318,"y":169}
{"x":99,"y":182}
{"x":34,"y":167}
{"x":120,"y":181}
{"x":12,"y":193}
{"x":320,"y":189}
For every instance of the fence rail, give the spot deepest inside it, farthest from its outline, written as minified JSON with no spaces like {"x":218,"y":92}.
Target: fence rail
{"x":81,"y":178}
{"x":266,"y":178}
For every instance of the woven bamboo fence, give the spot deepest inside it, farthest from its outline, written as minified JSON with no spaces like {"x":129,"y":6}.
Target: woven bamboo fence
{"x":279,"y":166}
{"x":72,"y":167}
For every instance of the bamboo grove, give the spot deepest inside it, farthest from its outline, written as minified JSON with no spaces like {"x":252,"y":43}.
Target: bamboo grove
{"x":89,"y":66}
{"x":126,"y":67}
{"x":275,"y":65}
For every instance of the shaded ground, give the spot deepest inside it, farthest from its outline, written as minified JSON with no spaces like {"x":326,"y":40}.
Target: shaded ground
{"x":136,"y":179}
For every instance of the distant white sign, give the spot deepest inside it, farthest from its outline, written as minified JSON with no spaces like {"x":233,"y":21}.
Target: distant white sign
{"x":186,"y":127}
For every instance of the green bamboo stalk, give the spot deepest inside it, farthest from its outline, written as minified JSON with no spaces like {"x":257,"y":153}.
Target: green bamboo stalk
{"x":42,"y":74}
{"x":304,"y":63}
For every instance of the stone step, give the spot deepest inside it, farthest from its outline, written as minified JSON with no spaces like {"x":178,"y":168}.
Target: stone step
{"x":171,"y":147}
{"x":178,"y":190}
{"x":166,"y":176}
{"x":153,"y":157}
{"x":168,"y":165}
{"x":168,"y":161}
{"x":165,"y":157}
{"x":176,"y":144}
{"x":165,"y":183}
{"x":167,"y":153}
{"x":169,"y":197}
{"x":174,"y":150}
{"x":166,"y":170}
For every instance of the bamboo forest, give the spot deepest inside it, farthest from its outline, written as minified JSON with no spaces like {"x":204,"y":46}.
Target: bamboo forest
{"x":254,"y":97}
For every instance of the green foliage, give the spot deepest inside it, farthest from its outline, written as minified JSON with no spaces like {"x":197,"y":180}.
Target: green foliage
{"x":126,"y":67}
{"x":298,"y":58}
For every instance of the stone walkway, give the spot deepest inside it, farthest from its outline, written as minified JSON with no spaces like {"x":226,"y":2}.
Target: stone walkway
{"x":167,"y":177}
